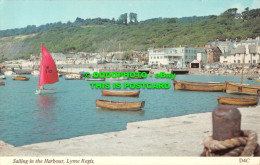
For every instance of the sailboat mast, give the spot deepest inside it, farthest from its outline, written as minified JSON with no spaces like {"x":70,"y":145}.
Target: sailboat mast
{"x":243,"y":68}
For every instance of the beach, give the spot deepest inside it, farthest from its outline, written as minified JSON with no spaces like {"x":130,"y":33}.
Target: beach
{"x":174,"y":136}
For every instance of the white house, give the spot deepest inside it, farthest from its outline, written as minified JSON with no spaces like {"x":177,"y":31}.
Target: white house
{"x":172,"y":56}
{"x":202,"y":56}
{"x":236,"y":56}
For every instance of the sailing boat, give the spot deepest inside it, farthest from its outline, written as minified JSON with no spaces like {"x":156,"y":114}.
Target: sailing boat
{"x":242,"y":88}
{"x":48,"y":73}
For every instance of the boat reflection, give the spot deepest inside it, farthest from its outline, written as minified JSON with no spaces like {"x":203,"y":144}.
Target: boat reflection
{"x":45,"y":116}
{"x":105,"y":110}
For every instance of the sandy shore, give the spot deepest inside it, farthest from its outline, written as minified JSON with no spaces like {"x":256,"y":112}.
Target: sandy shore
{"x":175,"y":136}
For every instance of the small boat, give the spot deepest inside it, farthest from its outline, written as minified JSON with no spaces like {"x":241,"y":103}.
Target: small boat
{"x":199,"y":86}
{"x":117,"y":79}
{"x":18,"y":78}
{"x":136,"y":77}
{"x":257,"y":80}
{"x":242,"y":88}
{"x":9,"y":73}
{"x":72,"y":77}
{"x":237,"y":101}
{"x":2,"y":77}
{"x":250,"y":78}
{"x":35,"y":73}
{"x":2,"y":83}
{"x":118,"y":105}
{"x":120,"y":93}
{"x":48,"y":73}
{"x":95,"y":79}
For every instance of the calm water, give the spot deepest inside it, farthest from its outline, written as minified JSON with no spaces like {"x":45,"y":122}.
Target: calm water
{"x":28,"y":118}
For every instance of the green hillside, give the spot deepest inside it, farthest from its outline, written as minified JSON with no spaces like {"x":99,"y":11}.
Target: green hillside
{"x":108,"y":36}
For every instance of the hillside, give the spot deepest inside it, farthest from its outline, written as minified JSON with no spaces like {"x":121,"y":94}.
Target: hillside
{"x":108,"y":36}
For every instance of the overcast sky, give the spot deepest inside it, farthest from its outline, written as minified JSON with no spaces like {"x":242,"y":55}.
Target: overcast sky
{"x":20,"y":13}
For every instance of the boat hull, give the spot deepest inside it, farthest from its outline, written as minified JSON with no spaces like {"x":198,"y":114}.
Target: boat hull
{"x":117,"y":105}
{"x":95,"y":79}
{"x":237,"y":101}
{"x":198,"y":86}
{"x":121,"y":93}
{"x":242,"y":88}
{"x":21,"y":78}
{"x":2,"y":83}
{"x":45,"y":91}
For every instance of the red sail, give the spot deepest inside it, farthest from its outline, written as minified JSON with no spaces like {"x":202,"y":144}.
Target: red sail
{"x":48,"y":70}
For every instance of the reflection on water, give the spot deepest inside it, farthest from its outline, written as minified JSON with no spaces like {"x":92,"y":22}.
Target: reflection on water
{"x":134,"y":113}
{"x":45,"y":116}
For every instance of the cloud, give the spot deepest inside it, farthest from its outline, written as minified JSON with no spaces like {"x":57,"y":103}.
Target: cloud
{"x":255,"y":4}
{"x":240,"y":7}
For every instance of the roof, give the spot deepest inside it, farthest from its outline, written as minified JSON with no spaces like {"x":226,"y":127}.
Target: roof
{"x":252,"y":48}
{"x":239,"y":50}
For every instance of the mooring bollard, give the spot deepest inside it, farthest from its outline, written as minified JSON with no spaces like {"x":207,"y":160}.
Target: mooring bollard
{"x":228,"y":139}
{"x":226,"y":122}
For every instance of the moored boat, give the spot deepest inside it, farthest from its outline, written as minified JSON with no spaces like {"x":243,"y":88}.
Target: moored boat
{"x":2,"y":77}
{"x":9,"y":73}
{"x":120,"y":93}
{"x":118,"y":105}
{"x":257,"y":80}
{"x":199,"y":86}
{"x":2,"y":83}
{"x":242,"y":88}
{"x":250,"y":78}
{"x":238,"y":101}
{"x":35,"y":73}
{"x":95,"y":79}
{"x":19,"y":78}
{"x":72,"y":77}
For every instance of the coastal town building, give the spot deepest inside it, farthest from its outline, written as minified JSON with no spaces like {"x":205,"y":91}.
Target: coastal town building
{"x":236,"y":56}
{"x":177,"y":56}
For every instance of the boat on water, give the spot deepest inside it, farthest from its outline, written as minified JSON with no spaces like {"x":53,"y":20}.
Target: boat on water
{"x":236,"y":88}
{"x":2,"y":83}
{"x":199,"y":86}
{"x":35,"y":73}
{"x":241,"y":88}
{"x":117,"y":79}
{"x":2,"y":77}
{"x":72,"y":77}
{"x":19,"y":78}
{"x":250,"y":78}
{"x":257,"y":79}
{"x":238,"y":101}
{"x":9,"y":73}
{"x":120,"y":93}
{"x":48,"y":73}
{"x":95,"y":79}
{"x":118,"y":105}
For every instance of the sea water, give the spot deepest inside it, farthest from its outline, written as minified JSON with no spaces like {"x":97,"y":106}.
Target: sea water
{"x":26,"y":118}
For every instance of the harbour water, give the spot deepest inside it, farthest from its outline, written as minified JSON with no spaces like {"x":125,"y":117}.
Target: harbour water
{"x":27,"y":118}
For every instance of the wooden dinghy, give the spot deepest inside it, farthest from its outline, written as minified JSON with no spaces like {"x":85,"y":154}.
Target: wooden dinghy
{"x":121,"y":93}
{"x":237,"y":101}
{"x":242,"y":88}
{"x":199,"y":86}
{"x":2,"y":83}
{"x":117,"y":105}
{"x":21,"y":78}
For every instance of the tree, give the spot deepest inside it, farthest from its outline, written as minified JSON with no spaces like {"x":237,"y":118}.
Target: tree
{"x":122,"y":19}
{"x":245,"y":14}
{"x":133,"y":18}
{"x":230,"y":13}
{"x":171,"y":20}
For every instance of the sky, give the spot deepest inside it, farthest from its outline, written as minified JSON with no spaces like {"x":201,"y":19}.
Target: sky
{"x":20,"y":13}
